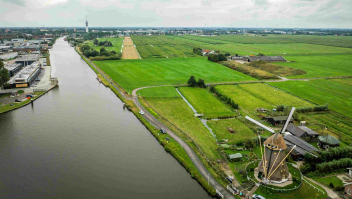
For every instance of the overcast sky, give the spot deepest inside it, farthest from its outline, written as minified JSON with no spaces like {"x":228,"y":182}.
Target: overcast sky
{"x":176,"y":13}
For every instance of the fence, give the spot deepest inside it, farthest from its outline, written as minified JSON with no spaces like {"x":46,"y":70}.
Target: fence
{"x":184,"y":133}
{"x":282,"y":190}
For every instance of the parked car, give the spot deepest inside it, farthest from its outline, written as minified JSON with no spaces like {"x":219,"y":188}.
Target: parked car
{"x":162,"y":131}
{"x":141,"y":112}
{"x":18,"y":100}
{"x":31,"y":96}
{"x":229,"y":179}
{"x":255,"y":196}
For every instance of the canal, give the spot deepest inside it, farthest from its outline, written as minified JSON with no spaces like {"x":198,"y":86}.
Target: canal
{"x":77,"y":141}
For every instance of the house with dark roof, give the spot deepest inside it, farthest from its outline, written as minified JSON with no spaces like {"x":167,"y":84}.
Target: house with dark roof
{"x":302,"y":147}
{"x":327,"y":141}
{"x":267,"y":59}
{"x":294,"y":130}
{"x":278,"y":120}
{"x":313,"y":136}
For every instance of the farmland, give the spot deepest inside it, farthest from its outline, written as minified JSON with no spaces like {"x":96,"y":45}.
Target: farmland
{"x":131,"y":74}
{"x":205,"y":103}
{"x":337,"y":95}
{"x":165,"y":91}
{"x":129,"y":51}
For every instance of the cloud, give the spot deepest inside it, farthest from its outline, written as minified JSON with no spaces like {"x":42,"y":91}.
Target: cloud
{"x":16,"y":2}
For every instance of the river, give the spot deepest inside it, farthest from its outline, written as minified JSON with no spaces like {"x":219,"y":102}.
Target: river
{"x":77,"y":141}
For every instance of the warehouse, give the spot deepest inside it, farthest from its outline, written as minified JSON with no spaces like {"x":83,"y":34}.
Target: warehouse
{"x":8,"y":55}
{"x":26,"y":77}
{"x":13,"y":68}
{"x":26,"y":60}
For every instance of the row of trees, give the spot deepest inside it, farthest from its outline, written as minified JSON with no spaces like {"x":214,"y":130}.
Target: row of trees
{"x":224,"y":98}
{"x":192,"y":82}
{"x":101,"y":43}
{"x":315,"y":165}
{"x":198,"y":51}
{"x":4,"y":74}
{"x":217,"y":57}
{"x":328,"y":167}
{"x":103,"y":54}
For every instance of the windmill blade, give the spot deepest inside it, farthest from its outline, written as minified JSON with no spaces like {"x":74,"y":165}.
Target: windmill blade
{"x":260,"y":124}
{"x":288,"y":120}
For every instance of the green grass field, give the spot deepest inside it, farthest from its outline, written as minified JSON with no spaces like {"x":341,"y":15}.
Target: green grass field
{"x":205,"y":103}
{"x":220,"y":129}
{"x":131,"y":74}
{"x":327,"y":180}
{"x":180,"y":114}
{"x":273,"y":96}
{"x":337,"y":95}
{"x":116,"y":44}
{"x":244,"y":99}
{"x":164,"y":91}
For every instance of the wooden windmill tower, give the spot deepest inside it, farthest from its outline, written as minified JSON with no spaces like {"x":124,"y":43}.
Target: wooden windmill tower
{"x":273,"y":166}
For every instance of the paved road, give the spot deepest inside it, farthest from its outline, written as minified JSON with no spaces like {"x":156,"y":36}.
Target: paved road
{"x":194,"y":157}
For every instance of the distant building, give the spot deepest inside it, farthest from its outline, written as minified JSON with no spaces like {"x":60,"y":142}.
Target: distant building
{"x":87,"y":25}
{"x":26,"y":77}
{"x":278,"y":120}
{"x":13,"y":68}
{"x":9,"y":55}
{"x":327,"y":141}
{"x":7,"y":30}
{"x":267,"y":59}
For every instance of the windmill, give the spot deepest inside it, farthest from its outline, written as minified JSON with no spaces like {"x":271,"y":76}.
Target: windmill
{"x":273,"y":166}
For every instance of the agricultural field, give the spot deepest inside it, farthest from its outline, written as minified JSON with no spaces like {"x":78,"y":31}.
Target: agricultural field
{"x":244,"y":99}
{"x":220,"y":129}
{"x":131,"y":74}
{"x":116,"y":44}
{"x":129,"y":51}
{"x":205,"y":103}
{"x":274,"y":96}
{"x":180,"y":114}
{"x":337,"y":95}
{"x":162,"y":47}
{"x":165,"y":91}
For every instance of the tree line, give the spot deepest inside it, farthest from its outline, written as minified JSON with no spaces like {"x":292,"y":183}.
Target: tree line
{"x":223,"y":98}
{"x":101,"y":43}
{"x":102,"y":54}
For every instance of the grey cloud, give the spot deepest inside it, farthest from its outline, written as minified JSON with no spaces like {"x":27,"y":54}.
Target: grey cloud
{"x":16,"y":2}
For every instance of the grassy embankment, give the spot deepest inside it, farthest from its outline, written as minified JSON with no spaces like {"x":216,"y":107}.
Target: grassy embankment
{"x":205,"y":103}
{"x":131,"y":74}
{"x":170,"y":146}
{"x":17,"y":105}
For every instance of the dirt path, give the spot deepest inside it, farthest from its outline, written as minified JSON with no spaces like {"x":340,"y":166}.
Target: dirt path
{"x":129,"y":51}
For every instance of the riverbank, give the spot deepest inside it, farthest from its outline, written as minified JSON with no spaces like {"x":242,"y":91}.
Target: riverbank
{"x":14,"y":106}
{"x":170,"y":145}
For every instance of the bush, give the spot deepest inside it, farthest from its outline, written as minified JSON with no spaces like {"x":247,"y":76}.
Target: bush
{"x":331,"y":185}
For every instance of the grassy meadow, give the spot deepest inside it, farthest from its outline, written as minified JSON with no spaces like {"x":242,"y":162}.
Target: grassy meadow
{"x":327,"y":180}
{"x":220,"y":129}
{"x":205,"y":103}
{"x":337,"y":95}
{"x":131,"y":74}
{"x":164,"y":91}
{"x":180,"y":114}
{"x":244,"y":99}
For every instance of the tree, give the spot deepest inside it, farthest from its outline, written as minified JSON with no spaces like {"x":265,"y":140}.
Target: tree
{"x":4,"y":74}
{"x":222,"y":57}
{"x":84,"y":48}
{"x":94,"y":53}
{"x":102,"y":50}
{"x":201,"y":83}
{"x":192,"y":81}
{"x":112,"y":52}
{"x":95,"y":42}
{"x":114,"y":32}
